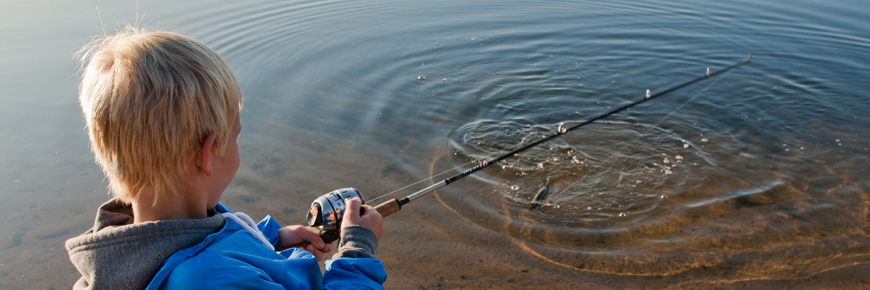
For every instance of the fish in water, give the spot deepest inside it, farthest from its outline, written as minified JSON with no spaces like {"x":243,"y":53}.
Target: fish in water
{"x":539,"y":197}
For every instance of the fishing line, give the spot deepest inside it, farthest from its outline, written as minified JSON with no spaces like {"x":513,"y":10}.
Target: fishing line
{"x":422,"y":180}
{"x":390,"y":207}
{"x":717,"y":80}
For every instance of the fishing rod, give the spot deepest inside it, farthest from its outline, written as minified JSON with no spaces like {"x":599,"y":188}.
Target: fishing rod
{"x":326,"y":211}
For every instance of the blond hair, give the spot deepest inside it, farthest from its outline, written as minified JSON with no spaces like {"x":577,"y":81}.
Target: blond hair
{"x":150,"y":99}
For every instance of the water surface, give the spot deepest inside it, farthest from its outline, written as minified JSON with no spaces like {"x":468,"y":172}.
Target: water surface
{"x":756,"y":179}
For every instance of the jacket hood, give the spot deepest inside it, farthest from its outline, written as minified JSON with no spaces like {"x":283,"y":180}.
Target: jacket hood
{"x":117,"y":254}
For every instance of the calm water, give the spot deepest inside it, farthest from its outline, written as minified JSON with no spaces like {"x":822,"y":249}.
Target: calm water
{"x":757,"y":179}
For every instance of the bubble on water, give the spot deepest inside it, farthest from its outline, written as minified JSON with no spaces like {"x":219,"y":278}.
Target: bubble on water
{"x":668,"y":172}
{"x":638,"y":181}
{"x":575,"y":160}
{"x":541,"y":165}
{"x":838,"y":140}
{"x":515,"y":187}
{"x":556,"y":206}
{"x":786,"y":150}
{"x":562,"y":129}
{"x":663,"y":196}
{"x":679,"y":157}
{"x":589,"y":208}
{"x":648,"y":94}
{"x":421,"y":77}
{"x":622,"y":214}
{"x":784,"y":145}
{"x":674,"y":165}
{"x":839,"y":144}
{"x":802,"y":147}
{"x":686,"y":145}
{"x":705,"y":140}
{"x":666,"y":161}
{"x":555,"y":159}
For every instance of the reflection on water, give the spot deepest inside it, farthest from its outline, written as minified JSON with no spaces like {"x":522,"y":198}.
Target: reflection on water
{"x":758,"y":182}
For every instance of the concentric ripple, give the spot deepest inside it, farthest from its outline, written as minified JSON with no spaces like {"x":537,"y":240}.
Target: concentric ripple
{"x":633,"y":199}
{"x":588,"y":178}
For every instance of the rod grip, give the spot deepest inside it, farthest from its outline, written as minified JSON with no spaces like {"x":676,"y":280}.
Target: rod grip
{"x":388,"y":207}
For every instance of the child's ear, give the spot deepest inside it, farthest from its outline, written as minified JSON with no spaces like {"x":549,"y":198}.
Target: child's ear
{"x":203,"y":157}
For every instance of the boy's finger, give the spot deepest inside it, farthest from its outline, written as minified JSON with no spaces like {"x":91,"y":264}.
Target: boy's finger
{"x":364,"y":209}
{"x":310,"y":235}
{"x":317,"y":254}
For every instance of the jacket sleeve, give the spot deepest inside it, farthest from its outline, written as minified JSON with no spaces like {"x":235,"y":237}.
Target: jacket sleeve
{"x":355,"y":266}
{"x":354,"y":273}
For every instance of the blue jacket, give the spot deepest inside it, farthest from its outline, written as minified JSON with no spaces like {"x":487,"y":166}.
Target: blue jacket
{"x":235,"y":258}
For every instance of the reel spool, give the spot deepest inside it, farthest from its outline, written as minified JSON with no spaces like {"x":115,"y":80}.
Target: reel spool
{"x":327,"y":210}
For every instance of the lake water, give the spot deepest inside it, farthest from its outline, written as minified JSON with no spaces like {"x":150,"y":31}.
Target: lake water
{"x":756,"y":178}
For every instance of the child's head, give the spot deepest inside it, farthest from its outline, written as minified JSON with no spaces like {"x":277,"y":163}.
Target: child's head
{"x":150,"y":99}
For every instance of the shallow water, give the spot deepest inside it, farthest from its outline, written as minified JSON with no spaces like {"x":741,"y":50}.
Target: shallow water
{"x":756,"y":179}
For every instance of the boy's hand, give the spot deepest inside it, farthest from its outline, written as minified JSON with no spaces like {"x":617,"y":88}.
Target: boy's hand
{"x":371,"y":219}
{"x":303,"y":237}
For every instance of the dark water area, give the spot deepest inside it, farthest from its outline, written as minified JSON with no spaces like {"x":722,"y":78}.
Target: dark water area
{"x":756,"y":178}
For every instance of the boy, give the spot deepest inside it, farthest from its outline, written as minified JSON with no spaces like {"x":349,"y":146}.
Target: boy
{"x":162,"y":112}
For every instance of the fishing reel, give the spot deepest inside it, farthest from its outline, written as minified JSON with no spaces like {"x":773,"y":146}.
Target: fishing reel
{"x":327,"y":210}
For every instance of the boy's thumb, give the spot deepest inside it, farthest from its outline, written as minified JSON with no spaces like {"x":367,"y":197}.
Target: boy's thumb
{"x":351,"y":211}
